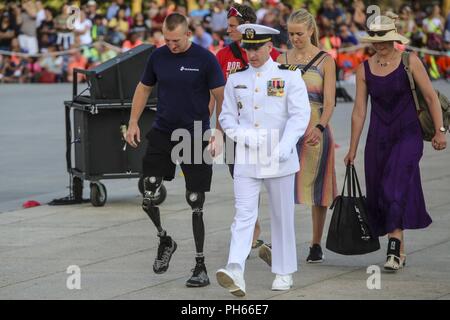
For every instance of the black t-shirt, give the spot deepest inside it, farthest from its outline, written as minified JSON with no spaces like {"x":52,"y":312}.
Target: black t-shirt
{"x":184,"y":81}
{"x":6,"y":43}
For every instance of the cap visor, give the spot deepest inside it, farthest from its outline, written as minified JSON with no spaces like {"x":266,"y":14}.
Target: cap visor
{"x":251,"y":46}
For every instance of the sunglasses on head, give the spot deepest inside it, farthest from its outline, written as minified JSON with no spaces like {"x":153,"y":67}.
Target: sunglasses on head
{"x":377,"y":33}
{"x":233,"y":12}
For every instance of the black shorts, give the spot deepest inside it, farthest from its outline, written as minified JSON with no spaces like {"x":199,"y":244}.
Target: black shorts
{"x":158,"y":162}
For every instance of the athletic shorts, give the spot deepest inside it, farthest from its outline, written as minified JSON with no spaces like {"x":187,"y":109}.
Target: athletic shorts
{"x":158,"y":162}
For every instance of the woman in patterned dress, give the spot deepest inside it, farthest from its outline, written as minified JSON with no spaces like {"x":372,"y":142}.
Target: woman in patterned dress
{"x":315,"y":183}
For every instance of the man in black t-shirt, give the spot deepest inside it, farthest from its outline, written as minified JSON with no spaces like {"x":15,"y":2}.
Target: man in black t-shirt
{"x":186,"y":74}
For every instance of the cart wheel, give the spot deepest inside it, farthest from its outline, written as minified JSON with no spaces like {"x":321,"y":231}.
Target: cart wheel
{"x":98,"y":194}
{"x":77,"y":189}
{"x":141,"y":185}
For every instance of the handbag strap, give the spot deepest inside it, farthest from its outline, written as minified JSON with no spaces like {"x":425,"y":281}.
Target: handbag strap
{"x":405,"y":60}
{"x":348,"y":183}
{"x":355,"y":182}
{"x":309,"y":65}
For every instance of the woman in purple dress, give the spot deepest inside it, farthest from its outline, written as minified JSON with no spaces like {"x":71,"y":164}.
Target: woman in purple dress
{"x":394,"y":143}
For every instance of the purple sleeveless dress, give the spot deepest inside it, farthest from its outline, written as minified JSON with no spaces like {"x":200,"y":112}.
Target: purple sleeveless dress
{"x":393,"y":150}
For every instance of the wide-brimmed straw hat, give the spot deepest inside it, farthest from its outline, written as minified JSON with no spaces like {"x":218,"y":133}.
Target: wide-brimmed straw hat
{"x":383,"y":29}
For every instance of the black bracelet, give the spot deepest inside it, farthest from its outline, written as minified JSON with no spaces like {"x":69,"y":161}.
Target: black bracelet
{"x":320,"y":127}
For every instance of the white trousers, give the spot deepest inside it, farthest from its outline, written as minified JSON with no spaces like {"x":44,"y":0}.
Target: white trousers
{"x":28,"y":43}
{"x":282,"y":207}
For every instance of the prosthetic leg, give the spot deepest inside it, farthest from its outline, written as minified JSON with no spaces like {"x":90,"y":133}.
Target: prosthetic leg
{"x":166,"y":245}
{"x":199,"y":277}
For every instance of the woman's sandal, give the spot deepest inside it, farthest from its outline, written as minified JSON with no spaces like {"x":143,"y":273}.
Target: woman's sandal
{"x":257,"y":243}
{"x":392,"y":263}
{"x":402,"y":260}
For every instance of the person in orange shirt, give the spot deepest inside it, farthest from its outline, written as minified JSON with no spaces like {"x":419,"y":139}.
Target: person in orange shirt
{"x":77,"y":61}
{"x":132,"y":42}
{"x":443,"y":62}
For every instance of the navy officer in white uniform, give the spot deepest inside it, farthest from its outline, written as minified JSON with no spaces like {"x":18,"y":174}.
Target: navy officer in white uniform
{"x":265,"y":110}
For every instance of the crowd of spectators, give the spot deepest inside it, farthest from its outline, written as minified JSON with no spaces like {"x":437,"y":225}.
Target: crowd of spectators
{"x":32,"y":35}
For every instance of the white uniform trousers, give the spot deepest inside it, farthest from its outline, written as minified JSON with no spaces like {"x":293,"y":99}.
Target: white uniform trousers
{"x":282,"y":208}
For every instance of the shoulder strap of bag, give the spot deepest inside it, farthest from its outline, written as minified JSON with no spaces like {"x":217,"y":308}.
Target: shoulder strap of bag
{"x":347,"y":182}
{"x":356,"y":184}
{"x":405,"y":59}
{"x":309,"y":65}
{"x":237,"y":53}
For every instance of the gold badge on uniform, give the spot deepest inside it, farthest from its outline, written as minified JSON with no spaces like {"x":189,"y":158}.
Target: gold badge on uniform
{"x":275,"y":87}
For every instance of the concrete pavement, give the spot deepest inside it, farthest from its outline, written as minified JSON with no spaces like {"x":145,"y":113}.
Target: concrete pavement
{"x":114,"y":246}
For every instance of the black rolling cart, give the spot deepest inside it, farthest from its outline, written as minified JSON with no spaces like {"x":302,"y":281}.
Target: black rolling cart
{"x":95,"y":125}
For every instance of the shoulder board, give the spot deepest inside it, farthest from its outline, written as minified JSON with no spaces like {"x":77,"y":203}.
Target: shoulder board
{"x":291,"y":67}
{"x":238,"y":70}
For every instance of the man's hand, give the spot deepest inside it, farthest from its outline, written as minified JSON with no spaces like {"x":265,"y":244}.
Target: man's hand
{"x":133,"y":136}
{"x":215,"y":146}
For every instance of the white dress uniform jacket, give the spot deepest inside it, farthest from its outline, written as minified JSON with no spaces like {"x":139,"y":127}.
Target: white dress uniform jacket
{"x":261,"y":99}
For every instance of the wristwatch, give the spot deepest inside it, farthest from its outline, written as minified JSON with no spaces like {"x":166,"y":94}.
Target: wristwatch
{"x":442,"y":129}
{"x":322,"y":128}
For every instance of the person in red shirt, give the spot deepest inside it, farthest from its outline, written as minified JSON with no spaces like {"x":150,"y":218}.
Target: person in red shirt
{"x":237,"y":15}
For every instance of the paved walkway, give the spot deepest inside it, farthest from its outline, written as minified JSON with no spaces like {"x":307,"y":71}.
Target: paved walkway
{"x":115,"y":245}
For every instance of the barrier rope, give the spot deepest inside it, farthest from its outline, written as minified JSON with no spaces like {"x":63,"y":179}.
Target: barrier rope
{"x":60,"y":53}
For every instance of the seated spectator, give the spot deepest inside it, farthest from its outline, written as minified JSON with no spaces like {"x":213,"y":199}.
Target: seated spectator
{"x":114,"y":8}
{"x":15,"y":48}
{"x":359,"y":14}
{"x":7,"y":32}
{"x":156,"y":38}
{"x":76,"y":61}
{"x":51,"y":65}
{"x":201,"y":37}
{"x":28,"y":29}
{"x":99,"y":30}
{"x":47,"y":29}
{"x":330,"y":16}
{"x":118,"y":28}
{"x":434,"y":28}
{"x":139,"y":26}
{"x":30,"y":70}
{"x":40,"y":13}
{"x":8,"y":71}
{"x":330,"y":42}
{"x":132,"y":42}
{"x":217,"y":43}
{"x":91,"y":10}
{"x":44,"y":43}
{"x":406,"y":23}
{"x":347,"y":62}
{"x":105,"y":53}
{"x":447,"y":29}
{"x":158,"y":19}
{"x":199,"y":13}
{"x":219,"y":20}
{"x":444,"y":61}
{"x":347,"y":37}
{"x":82,"y":28}
{"x":151,"y":13}
{"x":65,"y":37}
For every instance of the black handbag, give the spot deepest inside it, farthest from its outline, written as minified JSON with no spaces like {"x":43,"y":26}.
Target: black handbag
{"x":349,"y":231}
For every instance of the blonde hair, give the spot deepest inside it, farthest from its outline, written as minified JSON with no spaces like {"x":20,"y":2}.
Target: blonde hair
{"x":303,"y":16}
